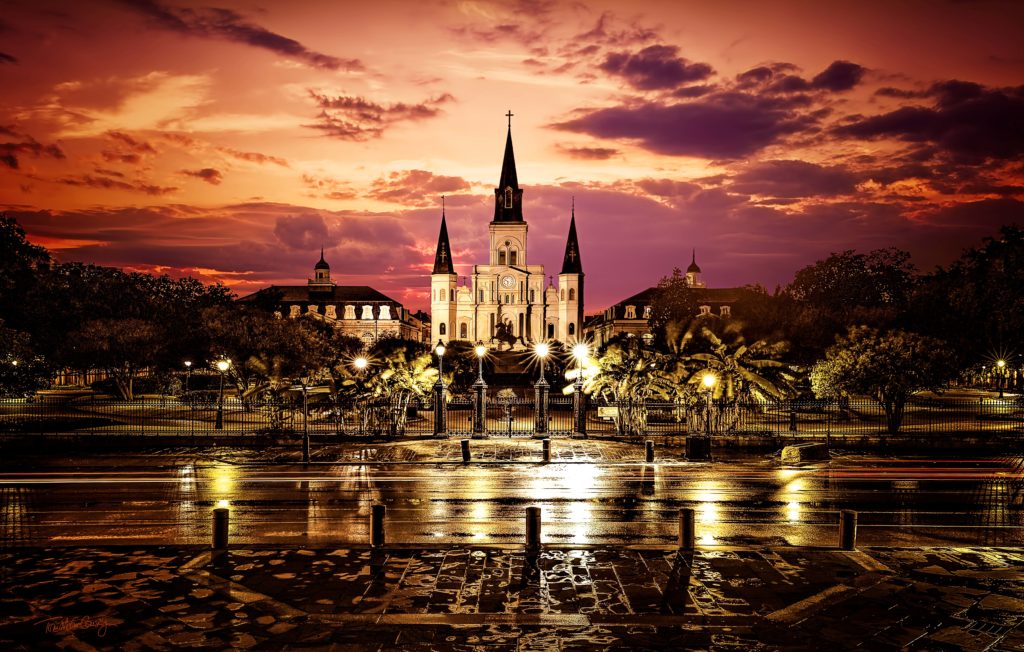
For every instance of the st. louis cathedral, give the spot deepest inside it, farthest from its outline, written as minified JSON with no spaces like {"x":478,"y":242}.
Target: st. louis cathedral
{"x":508,"y":299}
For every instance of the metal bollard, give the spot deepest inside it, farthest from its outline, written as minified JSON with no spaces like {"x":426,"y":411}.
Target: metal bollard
{"x":649,"y":445}
{"x":533,"y":529}
{"x":220,"y":528}
{"x":848,"y":529}
{"x":377,"y":526}
{"x":465,"y":450}
{"x":546,"y":444}
{"x":687,"y":531}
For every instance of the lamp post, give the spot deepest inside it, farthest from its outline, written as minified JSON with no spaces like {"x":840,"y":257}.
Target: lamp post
{"x":305,"y":380}
{"x":480,"y":394}
{"x":440,"y":421}
{"x":222,"y":367}
{"x":708,"y":380}
{"x":540,"y":391}
{"x":188,"y":373}
{"x":1001,"y":376}
{"x":361,"y":364}
{"x":580,"y":352}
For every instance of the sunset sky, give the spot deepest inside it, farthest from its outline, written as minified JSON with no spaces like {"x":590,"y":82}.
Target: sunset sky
{"x":231,"y":140}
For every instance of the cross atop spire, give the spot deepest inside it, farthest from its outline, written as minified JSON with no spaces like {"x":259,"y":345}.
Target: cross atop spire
{"x":443,"y":257}
{"x":508,"y":196}
{"x":571,"y":263}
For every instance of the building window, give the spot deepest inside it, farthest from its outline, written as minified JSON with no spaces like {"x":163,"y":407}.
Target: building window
{"x":464,"y":331}
{"x":551,"y":331}
{"x":481,"y":296}
{"x":572,"y":329}
{"x":452,"y":295}
{"x":513,"y":257}
{"x":508,"y":197}
{"x":501,"y":256}
{"x":533,"y":297}
{"x":647,"y":312}
{"x":572,"y":294}
{"x":705,"y":310}
{"x":443,"y":297}
{"x":563,"y":294}
{"x":441,"y":329}
{"x":726,"y":311}
{"x":630,"y":312}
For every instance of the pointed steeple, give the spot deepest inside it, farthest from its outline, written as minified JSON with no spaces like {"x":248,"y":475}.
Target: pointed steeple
{"x":694,"y":268}
{"x":508,"y":196}
{"x":321,"y":264}
{"x":443,"y":257}
{"x":571,"y":263}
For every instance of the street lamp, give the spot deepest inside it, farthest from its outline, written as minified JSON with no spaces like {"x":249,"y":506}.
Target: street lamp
{"x":361,"y":363}
{"x":541,"y":390}
{"x":480,"y":393}
{"x":580,"y":352}
{"x":708,"y":380}
{"x":188,"y":373}
{"x":222,"y":367}
{"x":440,"y":427}
{"x":1002,"y":375}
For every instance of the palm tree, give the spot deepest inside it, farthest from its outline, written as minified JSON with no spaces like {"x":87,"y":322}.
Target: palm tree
{"x":629,"y":375}
{"x":401,"y":370}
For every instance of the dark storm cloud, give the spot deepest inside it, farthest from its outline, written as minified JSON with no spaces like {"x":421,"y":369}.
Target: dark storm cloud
{"x":92,"y":181}
{"x":209,"y":175}
{"x":305,"y":232}
{"x":24,"y":144}
{"x":416,"y":187}
{"x":7,"y":58}
{"x":794,"y":179}
{"x":349,"y":117}
{"x":607,"y":32}
{"x":725,"y":125}
{"x":969,"y":122}
{"x":839,"y":76}
{"x":655,"y":67}
{"x":589,"y":153}
{"x":228,"y":25}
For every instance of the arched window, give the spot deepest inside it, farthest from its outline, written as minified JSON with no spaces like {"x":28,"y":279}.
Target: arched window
{"x":508,"y":197}
{"x":513,"y":257}
{"x":572,"y":294}
{"x":563,"y":294}
{"x":452,"y":295}
{"x":443,"y":298}
{"x":501,"y":256}
{"x":441,"y":330}
{"x":572,"y":329}
{"x":463,"y":330}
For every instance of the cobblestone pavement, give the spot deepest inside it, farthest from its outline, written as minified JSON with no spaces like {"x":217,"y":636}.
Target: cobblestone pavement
{"x":495,"y":598}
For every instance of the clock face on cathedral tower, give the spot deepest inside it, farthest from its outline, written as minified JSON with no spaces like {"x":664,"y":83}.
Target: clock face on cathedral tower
{"x":508,"y":282}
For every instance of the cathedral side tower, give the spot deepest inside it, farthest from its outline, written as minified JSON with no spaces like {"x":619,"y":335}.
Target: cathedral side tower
{"x":570,"y":288}
{"x":443,"y":288}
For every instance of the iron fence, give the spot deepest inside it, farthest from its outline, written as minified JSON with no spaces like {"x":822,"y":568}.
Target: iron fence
{"x":504,"y":416}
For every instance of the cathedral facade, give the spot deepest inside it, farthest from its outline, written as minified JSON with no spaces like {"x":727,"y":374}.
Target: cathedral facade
{"x":508,"y":299}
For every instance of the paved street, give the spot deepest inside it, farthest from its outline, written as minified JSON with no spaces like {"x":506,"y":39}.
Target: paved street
{"x":481,"y":598}
{"x":591,"y":493}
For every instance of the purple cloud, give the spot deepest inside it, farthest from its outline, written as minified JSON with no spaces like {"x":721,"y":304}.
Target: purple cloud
{"x":655,"y":67}
{"x":726,"y":125}
{"x":355,"y":118}
{"x":228,"y":25}
{"x":794,"y":179}
{"x":209,"y":175}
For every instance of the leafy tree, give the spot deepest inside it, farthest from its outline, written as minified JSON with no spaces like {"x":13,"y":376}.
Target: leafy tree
{"x":886,"y":365}
{"x":120,"y":347}
{"x":673,"y":307}
{"x":20,"y":262}
{"x":976,"y":304}
{"x":882,"y":278}
{"x":22,"y":372}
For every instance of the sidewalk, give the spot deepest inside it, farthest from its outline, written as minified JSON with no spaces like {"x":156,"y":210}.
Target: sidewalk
{"x":496,"y":598}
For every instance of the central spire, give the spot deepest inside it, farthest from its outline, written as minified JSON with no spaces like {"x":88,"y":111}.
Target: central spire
{"x":508,"y":196}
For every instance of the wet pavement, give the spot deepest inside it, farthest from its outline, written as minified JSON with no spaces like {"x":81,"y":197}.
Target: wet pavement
{"x":591,"y":493}
{"x":498,"y":598}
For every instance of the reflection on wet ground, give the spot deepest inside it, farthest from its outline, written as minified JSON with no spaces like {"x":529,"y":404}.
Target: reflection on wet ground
{"x":593,"y":493}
